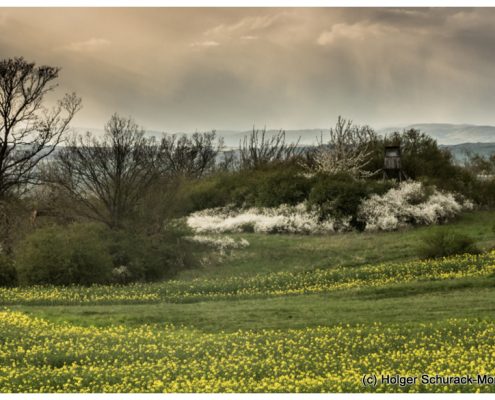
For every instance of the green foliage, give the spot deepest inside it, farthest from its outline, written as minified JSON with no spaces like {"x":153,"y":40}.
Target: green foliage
{"x":8,"y":275}
{"x":211,"y":192}
{"x":338,"y":196}
{"x":88,"y":253}
{"x":482,"y":192}
{"x":264,"y":187}
{"x":76,"y":254}
{"x":443,"y":243}
{"x":420,"y":156}
{"x":153,"y":257}
{"x":282,"y":186}
{"x":480,"y":164}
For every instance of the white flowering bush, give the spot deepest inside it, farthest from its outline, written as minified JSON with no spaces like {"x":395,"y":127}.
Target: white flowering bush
{"x":121,"y":274}
{"x":410,"y":203}
{"x":220,"y":243}
{"x":282,"y":219}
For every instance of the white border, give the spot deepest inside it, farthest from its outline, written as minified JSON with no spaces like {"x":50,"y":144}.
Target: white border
{"x":244,"y":396}
{"x":247,"y":3}
{"x":244,"y":3}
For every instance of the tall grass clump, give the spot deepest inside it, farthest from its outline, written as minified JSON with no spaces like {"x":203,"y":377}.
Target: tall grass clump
{"x":445,"y":243}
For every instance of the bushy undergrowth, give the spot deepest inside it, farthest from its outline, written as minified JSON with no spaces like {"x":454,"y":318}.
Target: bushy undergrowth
{"x":271,"y":186}
{"x":87,"y":254}
{"x":61,"y":256}
{"x":151,"y":257}
{"x":339,"y":197}
{"x":338,"y":207}
{"x":8,"y":275}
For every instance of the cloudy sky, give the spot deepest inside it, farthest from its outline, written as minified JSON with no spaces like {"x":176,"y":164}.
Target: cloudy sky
{"x":229,"y":68}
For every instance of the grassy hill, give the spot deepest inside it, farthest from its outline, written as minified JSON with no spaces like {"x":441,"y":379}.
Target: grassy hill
{"x":287,"y":313}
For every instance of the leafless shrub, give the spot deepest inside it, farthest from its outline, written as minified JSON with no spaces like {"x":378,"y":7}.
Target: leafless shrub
{"x":348,"y":150}
{"x":258,"y":149}
{"x":190,"y":156}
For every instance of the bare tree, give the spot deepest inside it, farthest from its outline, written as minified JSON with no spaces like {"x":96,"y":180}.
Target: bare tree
{"x":348,"y":150}
{"x":28,"y":131}
{"x":258,"y":149}
{"x":107,"y":177}
{"x":191,"y":156}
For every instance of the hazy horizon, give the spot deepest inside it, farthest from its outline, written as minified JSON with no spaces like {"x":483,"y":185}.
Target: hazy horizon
{"x":182,"y":70}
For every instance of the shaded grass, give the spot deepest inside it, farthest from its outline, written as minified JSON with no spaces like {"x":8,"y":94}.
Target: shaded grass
{"x":409,"y":303}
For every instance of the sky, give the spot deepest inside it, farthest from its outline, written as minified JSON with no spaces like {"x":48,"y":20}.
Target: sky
{"x":182,"y":70}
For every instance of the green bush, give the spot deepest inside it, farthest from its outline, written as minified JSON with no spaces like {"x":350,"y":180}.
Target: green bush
{"x":205,"y":193}
{"x":267,"y":187}
{"x":152,"y":257}
{"x":338,"y":196}
{"x":447,"y":242}
{"x":8,"y":275}
{"x":76,"y":254}
{"x":282,"y":186}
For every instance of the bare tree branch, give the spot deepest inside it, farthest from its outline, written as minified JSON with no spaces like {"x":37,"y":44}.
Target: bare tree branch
{"x":192,"y":156}
{"x":348,"y":150}
{"x":257,"y":149}
{"x":28,"y":132}
{"x":107,"y":176}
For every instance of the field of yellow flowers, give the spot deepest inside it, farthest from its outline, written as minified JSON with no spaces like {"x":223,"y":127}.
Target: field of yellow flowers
{"x":39,"y":356}
{"x":262,"y":285}
{"x":42,"y":355}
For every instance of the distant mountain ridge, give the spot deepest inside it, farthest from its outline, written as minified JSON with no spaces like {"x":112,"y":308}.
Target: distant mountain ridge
{"x":458,"y":138}
{"x":451,"y":134}
{"x":445,"y":134}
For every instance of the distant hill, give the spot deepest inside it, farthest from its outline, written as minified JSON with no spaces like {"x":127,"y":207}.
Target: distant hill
{"x":450,"y":134}
{"x":460,"y":151}
{"x":304,"y":136}
{"x":446,"y":134}
{"x":458,"y":138}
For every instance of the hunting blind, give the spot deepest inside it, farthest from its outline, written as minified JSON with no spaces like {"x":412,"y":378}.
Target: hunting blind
{"x":392,"y":168}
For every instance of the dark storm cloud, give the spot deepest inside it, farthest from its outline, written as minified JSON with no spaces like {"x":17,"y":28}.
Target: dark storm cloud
{"x":187,"y":69}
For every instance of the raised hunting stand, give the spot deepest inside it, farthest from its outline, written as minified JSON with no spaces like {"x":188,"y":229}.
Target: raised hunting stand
{"x":392,"y":166}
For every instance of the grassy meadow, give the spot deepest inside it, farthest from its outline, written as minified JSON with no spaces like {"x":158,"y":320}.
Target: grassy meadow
{"x":288,"y":313}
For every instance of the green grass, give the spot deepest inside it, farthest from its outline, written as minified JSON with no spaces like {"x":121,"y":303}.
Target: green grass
{"x":273,"y":253}
{"x":411,"y":303}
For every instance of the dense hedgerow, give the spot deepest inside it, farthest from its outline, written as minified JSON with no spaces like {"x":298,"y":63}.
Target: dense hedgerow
{"x":88,"y":254}
{"x":409,"y":204}
{"x":338,"y":197}
{"x":154,"y":257}
{"x":337,"y":207}
{"x":271,"y":186}
{"x":282,"y":219}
